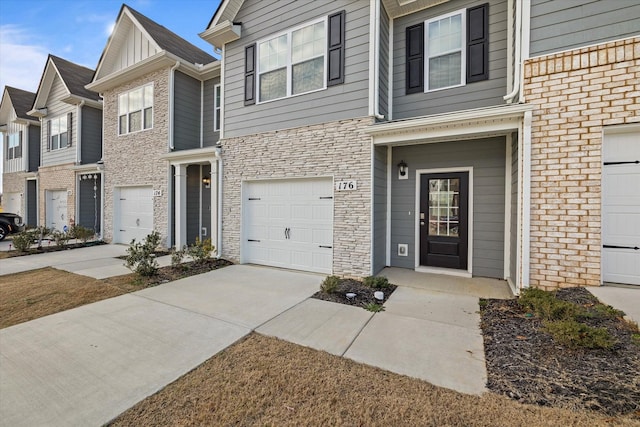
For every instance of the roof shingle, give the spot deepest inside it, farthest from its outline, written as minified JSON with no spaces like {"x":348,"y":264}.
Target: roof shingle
{"x":22,"y":101}
{"x":75,"y":77}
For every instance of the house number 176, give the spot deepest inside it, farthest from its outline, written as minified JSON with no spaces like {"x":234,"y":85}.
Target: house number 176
{"x":346,"y":185}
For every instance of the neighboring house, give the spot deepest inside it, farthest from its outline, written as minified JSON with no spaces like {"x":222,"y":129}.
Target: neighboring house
{"x":21,"y":154}
{"x":582,"y":77}
{"x":161,"y":125}
{"x":69,"y":176}
{"x":358,"y":135}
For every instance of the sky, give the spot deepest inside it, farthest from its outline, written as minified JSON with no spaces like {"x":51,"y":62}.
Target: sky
{"x":77,"y":30}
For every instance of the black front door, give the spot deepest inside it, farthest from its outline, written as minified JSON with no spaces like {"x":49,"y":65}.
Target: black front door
{"x":444,"y":208}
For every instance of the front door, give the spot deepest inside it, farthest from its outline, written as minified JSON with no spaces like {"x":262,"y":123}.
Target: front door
{"x":444,"y":207}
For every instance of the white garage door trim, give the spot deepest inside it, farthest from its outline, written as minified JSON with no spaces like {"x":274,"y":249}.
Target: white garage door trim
{"x":621,"y":207}
{"x":288,"y":223}
{"x":133,"y":213}
{"x":56,"y":209}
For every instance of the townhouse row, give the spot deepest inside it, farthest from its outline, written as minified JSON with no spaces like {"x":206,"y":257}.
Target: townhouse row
{"x":477,"y":138}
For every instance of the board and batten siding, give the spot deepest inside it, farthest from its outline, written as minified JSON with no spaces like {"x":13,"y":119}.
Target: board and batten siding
{"x":55,"y":109}
{"x":344,"y":101}
{"x":187,"y":100}
{"x":34,"y":148}
{"x":487,"y":157}
{"x":209,"y":136}
{"x":134,"y":47}
{"x":379,"y":209}
{"x":383,"y":81}
{"x":480,"y":94}
{"x":91,"y":148}
{"x":563,"y":25}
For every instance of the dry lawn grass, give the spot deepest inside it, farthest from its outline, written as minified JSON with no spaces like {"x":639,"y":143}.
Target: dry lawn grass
{"x":264,"y":381}
{"x":33,"y":294}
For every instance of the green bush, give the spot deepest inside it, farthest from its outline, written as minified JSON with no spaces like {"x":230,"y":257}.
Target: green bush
{"x":200,"y":251}
{"x":546,"y":306}
{"x":376,"y":282}
{"x":330,"y":284}
{"x":41,"y":233}
{"x":177,"y":256}
{"x":60,"y":238}
{"x":578,"y":335}
{"x":22,"y":241}
{"x":140,"y":255}
{"x":81,"y":233}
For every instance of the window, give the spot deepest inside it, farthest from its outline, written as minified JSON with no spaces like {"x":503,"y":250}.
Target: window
{"x":135,"y":110}
{"x":445,"y":51}
{"x":292,"y":63}
{"x":59,"y":133}
{"x":448,"y":51}
{"x":216,"y":108}
{"x":13,"y":146}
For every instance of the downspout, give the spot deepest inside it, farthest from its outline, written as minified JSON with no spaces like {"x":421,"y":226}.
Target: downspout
{"x":518,"y":61}
{"x":202,"y":114}
{"x":101,"y":170}
{"x":171,"y":97}
{"x":219,"y":243}
{"x":376,"y":53}
{"x":79,"y":133}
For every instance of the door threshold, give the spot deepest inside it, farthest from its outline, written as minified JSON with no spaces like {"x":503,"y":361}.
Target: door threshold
{"x":445,"y":271}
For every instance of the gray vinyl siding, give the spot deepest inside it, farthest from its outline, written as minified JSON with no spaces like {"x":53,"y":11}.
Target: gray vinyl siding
{"x":57,"y":108}
{"x":34,"y":148}
{"x":31,"y":216}
{"x":210,"y":137}
{"x":562,"y":25}
{"x":194,"y":184}
{"x":91,"y":148}
{"x":186,"y":117}
{"x":379,"y":209}
{"x":383,"y":82}
{"x":487,"y":157}
{"x":262,"y":18}
{"x":206,"y":203}
{"x":513,"y":238}
{"x":89,"y":212}
{"x":473,"y":95}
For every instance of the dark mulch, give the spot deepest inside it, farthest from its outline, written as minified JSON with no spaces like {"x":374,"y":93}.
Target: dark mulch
{"x":169,"y":273}
{"x":50,"y":246}
{"x":526,"y":364}
{"x":364,"y":294}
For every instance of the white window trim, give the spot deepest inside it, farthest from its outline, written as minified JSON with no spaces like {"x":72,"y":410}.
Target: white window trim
{"x":129,"y":112}
{"x":50,"y":136}
{"x":11,"y":150}
{"x":289,"y":64}
{"x":216,"y":108}
{"x":463,"y":50}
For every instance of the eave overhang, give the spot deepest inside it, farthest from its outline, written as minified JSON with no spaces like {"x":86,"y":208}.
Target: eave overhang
{"x":222,"y":34}
{"x":195,"y":155}
{"x":75,"y":100}
{"x":468,"y":124}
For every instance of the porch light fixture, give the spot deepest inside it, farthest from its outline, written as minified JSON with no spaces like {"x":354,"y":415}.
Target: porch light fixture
{"x":402,"y":170}
{"x":206,"y":180}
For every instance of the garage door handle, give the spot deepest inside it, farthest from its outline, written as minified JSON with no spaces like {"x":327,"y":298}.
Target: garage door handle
{"x":326,"y":247}
{"x":635,"y":248}
{"x":252,"y":240}
{"x":123,"y":230}
{"x":633,"y":162}
{"x":326,"y":198}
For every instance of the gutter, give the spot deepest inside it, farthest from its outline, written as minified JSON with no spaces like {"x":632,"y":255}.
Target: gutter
{"x":171,"y":100}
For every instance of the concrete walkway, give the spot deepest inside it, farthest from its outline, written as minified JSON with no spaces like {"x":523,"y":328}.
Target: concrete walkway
{"x":624,"y":298}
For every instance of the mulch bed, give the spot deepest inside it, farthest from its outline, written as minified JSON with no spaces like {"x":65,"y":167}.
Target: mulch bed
{"x":527,"y":365}
{"x":169,"y":273}
{"x":364,"y":294}
{"x":50,"y":246}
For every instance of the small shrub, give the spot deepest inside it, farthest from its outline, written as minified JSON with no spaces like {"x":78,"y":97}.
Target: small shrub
{"x":635,"y":338}
{"x":81,"y":233}
{"x":546,"y":306}
{"x":60,"y":238}
{"x":200,"y":251}
{"x":177,"y":256}
{"x":22,"y":241}
{"x":578,"y":335}
{"x":603,"y":311}
{"x":374,"y":307}
{"x":330,"y":284}
{"x":140,"y":255}
{"x":376,"y":282}
{"x":41,"y":233}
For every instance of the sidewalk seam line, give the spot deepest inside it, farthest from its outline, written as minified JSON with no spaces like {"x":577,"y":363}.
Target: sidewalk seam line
{"x":357,"y":335}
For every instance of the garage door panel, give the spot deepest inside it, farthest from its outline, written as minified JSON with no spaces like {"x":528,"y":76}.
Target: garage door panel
{"x":134,"y":213}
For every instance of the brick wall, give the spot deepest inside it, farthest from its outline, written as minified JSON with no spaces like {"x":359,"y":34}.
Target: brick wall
{"x":340,"y":149}
{"x":59,"y":177}
{"x":576,"y":94}
{"x":134,"y":159}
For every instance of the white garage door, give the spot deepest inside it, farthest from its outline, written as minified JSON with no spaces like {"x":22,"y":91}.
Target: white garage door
{"x":56,"y":207}
{"x":621,"y":208}
{"x":289,"y":224}
{"x":133,"y":213}
{"x":12,"y":202}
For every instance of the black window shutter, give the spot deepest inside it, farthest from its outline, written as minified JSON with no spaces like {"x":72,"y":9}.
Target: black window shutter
{"x":18,"y":152}
{"x":415,"y":59}
{"x":335,"y":45}
{"x":250,"y":75}
{"x":69,"y":129}
{"x":478,"y":43}
{"x":48,"y":135}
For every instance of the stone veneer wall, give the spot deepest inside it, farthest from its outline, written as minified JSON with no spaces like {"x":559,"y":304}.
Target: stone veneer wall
{"x":576,"y":93}
{"x":15,"y":182}
{"x":59,"y":177}
{"x":340,"y":149}
{"x":134,"y":159}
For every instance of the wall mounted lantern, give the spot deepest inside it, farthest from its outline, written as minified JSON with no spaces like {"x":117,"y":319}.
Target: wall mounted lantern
{"x":403,"y":170}
{"x":206,"y":180}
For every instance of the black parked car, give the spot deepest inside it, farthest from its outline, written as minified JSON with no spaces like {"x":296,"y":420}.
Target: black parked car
{"x":10,"y":223}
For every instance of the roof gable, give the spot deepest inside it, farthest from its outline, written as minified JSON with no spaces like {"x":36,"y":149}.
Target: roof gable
{"x":74,"y":77}
{"x":227,"y":11}
{"x":21,"y":101}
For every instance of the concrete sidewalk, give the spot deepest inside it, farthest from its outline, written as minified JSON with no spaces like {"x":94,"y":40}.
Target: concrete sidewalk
{"x":623,"y":298}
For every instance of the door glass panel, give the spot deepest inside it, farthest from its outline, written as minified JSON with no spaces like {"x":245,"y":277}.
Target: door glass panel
{"x":444,"y":207}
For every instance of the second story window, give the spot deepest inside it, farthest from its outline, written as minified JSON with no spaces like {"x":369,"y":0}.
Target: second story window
{"x":216,"y":108}
{"x":135,"y":110}
{"x":14,"y":149}
{"x":59,"y":133}
{"x":445,"y":60}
